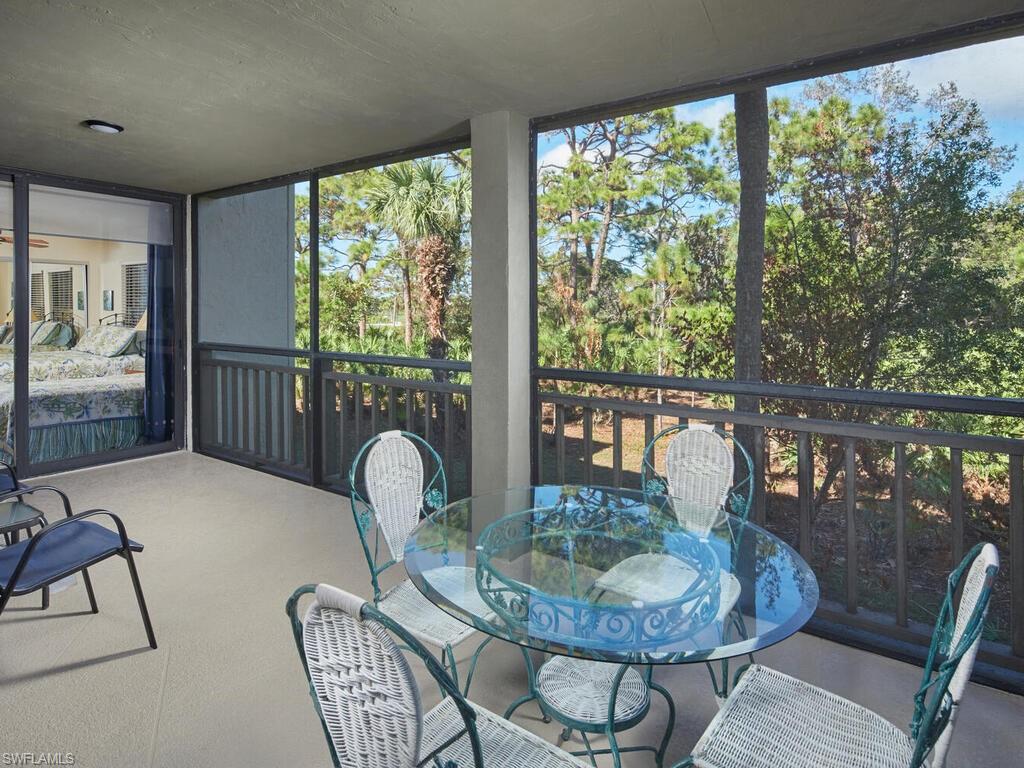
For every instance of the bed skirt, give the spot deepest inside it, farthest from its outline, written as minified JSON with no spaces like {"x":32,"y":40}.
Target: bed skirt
{"x":56,"y":442}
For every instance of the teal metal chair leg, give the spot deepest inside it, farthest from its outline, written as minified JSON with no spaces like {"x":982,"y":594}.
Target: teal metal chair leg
{"x":473,"y":661}
{"x":590,"y":751}
{"x":448,"y":661}
{"x":659,"y":757}
{"x":531,"y":679}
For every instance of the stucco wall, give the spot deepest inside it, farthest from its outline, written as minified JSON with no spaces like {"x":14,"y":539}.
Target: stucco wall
{"x":246,"y":268}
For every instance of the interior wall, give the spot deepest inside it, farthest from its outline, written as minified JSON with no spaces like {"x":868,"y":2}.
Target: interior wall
{"x":102,"y":259}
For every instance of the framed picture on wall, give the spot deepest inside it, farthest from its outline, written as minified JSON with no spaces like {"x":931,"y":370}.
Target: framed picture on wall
{"x":108,"y":301}
{"x":80,"y":300}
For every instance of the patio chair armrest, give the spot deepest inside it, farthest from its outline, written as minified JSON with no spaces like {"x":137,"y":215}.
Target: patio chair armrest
{"x":27,"y":490}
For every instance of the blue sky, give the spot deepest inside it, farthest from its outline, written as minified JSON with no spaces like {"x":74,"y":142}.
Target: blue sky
{"x":990,"y":73}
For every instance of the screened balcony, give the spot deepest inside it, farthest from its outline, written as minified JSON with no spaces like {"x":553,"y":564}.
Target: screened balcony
{"x":542,"y":242}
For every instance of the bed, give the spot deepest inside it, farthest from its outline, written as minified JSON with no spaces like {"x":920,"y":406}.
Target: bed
{"x":74,"y":417}
{"x":71,"y":364}
{"x":82,"y":400}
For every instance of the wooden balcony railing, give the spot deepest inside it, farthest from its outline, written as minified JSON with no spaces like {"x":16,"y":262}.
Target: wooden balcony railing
{"x":581,"y":439}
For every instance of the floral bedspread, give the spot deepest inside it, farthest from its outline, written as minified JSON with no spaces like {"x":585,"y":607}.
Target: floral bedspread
{"x":75,"y":401}
{"x":69,"y":364}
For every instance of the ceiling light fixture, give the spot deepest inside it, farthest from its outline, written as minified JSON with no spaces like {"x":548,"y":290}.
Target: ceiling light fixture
{"x":102,"y":126}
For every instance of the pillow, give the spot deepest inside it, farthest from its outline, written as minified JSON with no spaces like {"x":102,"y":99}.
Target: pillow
{"x":32,"y":328}
{"x":106,"y":340}
{"x":46,"y":333}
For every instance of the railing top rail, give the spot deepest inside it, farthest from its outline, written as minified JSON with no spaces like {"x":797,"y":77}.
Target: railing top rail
{"x":390,"y":381}
{"x":984,"y":443}
{"x":396,"y":361}
{"x":993,"y":406}
{"x":249,"y":365}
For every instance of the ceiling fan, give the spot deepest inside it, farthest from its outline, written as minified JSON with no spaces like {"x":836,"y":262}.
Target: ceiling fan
{"x":33,"y":242}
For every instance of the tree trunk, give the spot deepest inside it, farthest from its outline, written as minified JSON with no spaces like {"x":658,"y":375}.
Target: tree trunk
{"x":752,"y":153}
{"x":407,"y":304}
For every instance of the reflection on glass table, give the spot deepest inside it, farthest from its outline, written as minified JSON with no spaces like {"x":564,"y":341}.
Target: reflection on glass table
{"x":542,"y":558}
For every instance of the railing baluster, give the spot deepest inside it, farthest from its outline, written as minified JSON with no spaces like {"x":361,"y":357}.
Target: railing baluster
{"x":469,"y":445}
{"x":410,"y":410}
{"x":758,"y":479}
{"x":617,"y":449}
{"x":850,"y":480}
{"x":899,"y":510}
{"x":246,"y":434}
{"x":805,"y":489}
{"x":222,"y":406}
{"x":357,"y":403}
{"x":374,"y":411}
{"x":307,"y":415}
{"x":392,"y":408}
{"x":235,"y":421}
{"x":428,"y":416}
{"x":540,"y":442}
{"x":342,"y":442}
{"x":268,"y":414}
{"x":648,"y":430}
{"x":449,"y":434}
{"x":326,"y":422}
{"x":285,"y":408}
{"x":1017,"y":555}
{"x":588,"y":445}
{"x":560,"y":443}
{"x":956,"y":503}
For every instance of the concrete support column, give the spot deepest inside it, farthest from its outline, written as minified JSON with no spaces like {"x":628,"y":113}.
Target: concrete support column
{"x":501,"y":302}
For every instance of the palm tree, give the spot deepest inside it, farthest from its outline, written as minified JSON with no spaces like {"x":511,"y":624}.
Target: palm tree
{"x":424,"y":206}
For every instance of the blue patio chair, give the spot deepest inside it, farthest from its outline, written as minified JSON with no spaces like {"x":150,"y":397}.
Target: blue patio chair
{"x":18,"y":516}
{"x":395,"y":492}
{"x":64,"y":548}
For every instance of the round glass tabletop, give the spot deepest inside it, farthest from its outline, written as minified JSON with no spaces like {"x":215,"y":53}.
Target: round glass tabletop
{"x":611,"y":574}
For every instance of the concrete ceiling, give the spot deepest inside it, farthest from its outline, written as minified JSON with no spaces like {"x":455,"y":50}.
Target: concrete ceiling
{"x":219,"y":92}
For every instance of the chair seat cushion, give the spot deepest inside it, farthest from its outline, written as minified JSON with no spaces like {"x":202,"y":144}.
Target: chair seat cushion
{"x":502,"y":744}
{"x":772,"y":719}
{"x":62,"y":550}
{"x":424,"y":620}
{"x":654,"y":577}
{"x":579,"y":689}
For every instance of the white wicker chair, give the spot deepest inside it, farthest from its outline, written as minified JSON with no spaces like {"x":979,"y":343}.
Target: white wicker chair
{"x":369,"y":703}
{"x":397,"y":495}
{"x":699,"y":475}
{"x":772,"y":719}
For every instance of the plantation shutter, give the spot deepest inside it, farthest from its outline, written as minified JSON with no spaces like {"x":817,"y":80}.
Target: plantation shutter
{"x":37,"y":303}
{"x":61,"y":304}
{"x":135,"y":284}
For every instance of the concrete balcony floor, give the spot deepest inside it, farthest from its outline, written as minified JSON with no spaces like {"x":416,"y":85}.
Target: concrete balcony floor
{"x":225,"y":546}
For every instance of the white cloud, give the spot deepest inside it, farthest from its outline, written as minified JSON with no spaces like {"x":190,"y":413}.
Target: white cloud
{"x":709,"y":112}
{"x":990,"y":73}
{"x":558,"y":156}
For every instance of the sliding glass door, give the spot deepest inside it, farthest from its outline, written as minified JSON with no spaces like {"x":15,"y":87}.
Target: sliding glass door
{"x":90,"y":356}
{"x":7,"y":310}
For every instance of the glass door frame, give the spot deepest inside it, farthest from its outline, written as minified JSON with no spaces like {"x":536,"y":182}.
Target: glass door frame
{"x":22,"y":181}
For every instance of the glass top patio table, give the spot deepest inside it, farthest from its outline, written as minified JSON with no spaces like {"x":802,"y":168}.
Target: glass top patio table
{"x":534,"y":566}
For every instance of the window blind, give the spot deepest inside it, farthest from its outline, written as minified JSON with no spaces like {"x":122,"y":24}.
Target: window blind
{"x":61,"y":301}
{"x":37,"y":302}
{"x":135,"y":287}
